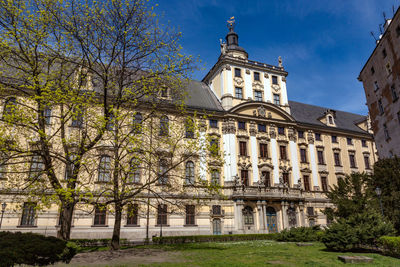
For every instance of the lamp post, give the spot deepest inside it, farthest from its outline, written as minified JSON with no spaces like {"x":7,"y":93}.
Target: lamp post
{"x":3,"y":209}
{"x":378,"y":192}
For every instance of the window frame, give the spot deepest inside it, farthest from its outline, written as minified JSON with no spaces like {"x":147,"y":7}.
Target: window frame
{"x":263,"y":149}
{"x":189,"y":172}
{"x":28,"y":216}
{"x":100,"y":216}
{"x":256,"y":76}
{"x":258,"y":95}
{"x":277,"y":99}
{"x":162,"y":214}
{"x":282,"y":152}
{"x":190,"y":215}
{"x":243,"y":148}
{"x":132,"y":214}
{"x":164,"y":126}
{"x":238,"y":72}
{"x":239,"y":92}
{"x":104,"y":169}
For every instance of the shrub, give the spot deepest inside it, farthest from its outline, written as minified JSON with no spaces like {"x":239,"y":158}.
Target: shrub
{"x":390,"y":245}
{"x":33,"y":249}
{"x":301,"y":234}
{"x":212,"y":238}
{"x":358,"y":231}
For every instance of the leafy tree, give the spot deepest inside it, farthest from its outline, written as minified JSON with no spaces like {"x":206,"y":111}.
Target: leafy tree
{"x":387,"y":177}
{"x":72,"y":65}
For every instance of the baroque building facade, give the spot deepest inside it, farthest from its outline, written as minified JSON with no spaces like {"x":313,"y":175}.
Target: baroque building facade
{"x":280,"y":157}
{"x":380,"y":78}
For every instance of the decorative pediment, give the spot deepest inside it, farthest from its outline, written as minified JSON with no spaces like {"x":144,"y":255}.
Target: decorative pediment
{"x":276,"y":88}
{"x":257,"y":85}
{"x":265,"y":110}
{"x":244,"y":166}
{"x":265,"y":166}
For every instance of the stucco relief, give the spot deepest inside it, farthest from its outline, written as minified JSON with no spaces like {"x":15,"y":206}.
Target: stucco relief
{"x":276,"y":88}
{"x":238,"y":81}
{"x":228,"y":126}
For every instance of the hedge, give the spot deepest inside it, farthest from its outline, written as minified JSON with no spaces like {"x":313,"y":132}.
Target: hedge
{"x":212,"y":238}
{"x":301,"y":234}
{"x":33,"y":249}
{"x":390,"y":245}
{"x":101,"y":242}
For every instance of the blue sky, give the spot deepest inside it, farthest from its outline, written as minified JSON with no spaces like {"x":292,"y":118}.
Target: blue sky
{"x":323,"y":43}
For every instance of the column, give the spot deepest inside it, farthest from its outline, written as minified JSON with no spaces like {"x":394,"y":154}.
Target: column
{"x":264,"y":209}
{"x":285,"y":221}
{"x":313,"y":161}
{"x":260,"y":216}
{"x":239,"y":205}
{"x":302,"y":219}
{"x":267,"y":88}
{"x":229,"y":80}
{"x":274,"y":153}
{"x":222,"y":78}
{"x":247,"y":85}
{"x":203,"y":152}
{"x":254,"y":157}
{"x":293,"y":156}
{"x":230,"y":155}
{"x":284,"y":97}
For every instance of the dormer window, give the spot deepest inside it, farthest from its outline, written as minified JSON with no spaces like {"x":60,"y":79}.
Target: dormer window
{"x":238,"y":72}
{"x":330,"y":119}
{"x":164,"y":92}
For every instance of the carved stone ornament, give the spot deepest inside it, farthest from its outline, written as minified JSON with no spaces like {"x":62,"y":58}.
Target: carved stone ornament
{"x":247,"y":71}
{"x":266,"y":75}
{"x":253,"y":128}
{"x":261,"y":111}
{"x":228,"y":127}
{"x":238,"y":81}
{"x":272,"y":131}
{"x":292,"y":134}
{"x":310,"y":137}
{"x":276,"y":88}
{"x":283,"y":79}
{"x":202,"y":125}
{"x":257,"y":85}
{"x":244,"y":166}
{"x":227,"y":67}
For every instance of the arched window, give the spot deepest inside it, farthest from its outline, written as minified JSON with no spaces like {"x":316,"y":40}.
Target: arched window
{"x":9,"y":108}
{"x":248,"y":215}
{"x":189,"y":171}
{"x":164,"y":125}
{"x":163,"y":172}
{"x":134,"y":171}
{"x":137,"y":122}
{"x":215,"y":177}
{"x":105,"y":169}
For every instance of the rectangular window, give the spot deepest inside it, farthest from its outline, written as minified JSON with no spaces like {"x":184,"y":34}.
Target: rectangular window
{"x":190,"y":215}
{"x":277,"y":99}
{"x":303,"y":155}
{"x":262,"y":128}
{"x":306,"y":180}
{"x":336,"y":157}
{"x":310,"y":211}
{"x":241,"y":125}
{"x":256,"y":76}
{"x":258,"y":95}
{"x":300,"y":134}
{"x":215,"y":177}
{"x":100,"y":215}
{"x":282,"y":151}
{"x":320,"y":154}
{"x":163,"y":172}
{"x":164,"y":92}
{"x":366,"y":161}
{"x":266,"y":176}
{"x":162,"y":214}
{"x":77,"y":118}
{"x":132,"y":214}
{"x":352,"y":161}
{"x":28,"y":214}
{"x":213,"y":123}
{"x":285,"y":177}
{"x":245,"y":177}
{"x":189,"y":128}
{"x":334,"y":139}
{"x":380,"y":106}
{"x":281,"y":130}
{"x":216,"y":210}
{"x":47,"y":115}
{"x":324,"y":184}
{"x":274,"y":79}
{"x":318,"y":137}
{"x":214,"y":147}
{"x":364,"y":143}
{"x":349,"y":141}
{"x":386,"y":132}
{"x":105,"y":169}
{"x":238,"y":72}
{"x":243,"y":148}
{"x":239,"y":92}
{"x":37,"y":168}
{"x":263,"y":151}
{"x":394,"y":93}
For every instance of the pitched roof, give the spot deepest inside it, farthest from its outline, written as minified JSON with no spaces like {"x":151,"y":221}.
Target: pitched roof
{"x":200,"y":96}
{"x":310,"y":114}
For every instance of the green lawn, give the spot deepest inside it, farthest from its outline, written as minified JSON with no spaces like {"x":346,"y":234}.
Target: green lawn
{"x":262,"y":253}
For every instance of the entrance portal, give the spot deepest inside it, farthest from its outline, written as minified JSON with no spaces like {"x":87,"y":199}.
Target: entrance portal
{"x":272,"y":224}
{"x":217,"y":226}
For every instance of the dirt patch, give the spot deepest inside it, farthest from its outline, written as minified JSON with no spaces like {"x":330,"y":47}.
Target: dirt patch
{"x":127,"y":257}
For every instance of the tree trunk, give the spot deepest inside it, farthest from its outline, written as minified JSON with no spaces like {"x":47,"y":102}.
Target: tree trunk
{"x":67,"y":210}
{"x":117,"y":227}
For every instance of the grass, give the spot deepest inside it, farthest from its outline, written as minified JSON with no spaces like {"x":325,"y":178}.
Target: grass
{"x":263,"y":253}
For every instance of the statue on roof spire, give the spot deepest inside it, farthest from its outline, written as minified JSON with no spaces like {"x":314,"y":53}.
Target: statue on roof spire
{"x":231,"y":23}
{"x":280,"y":61}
